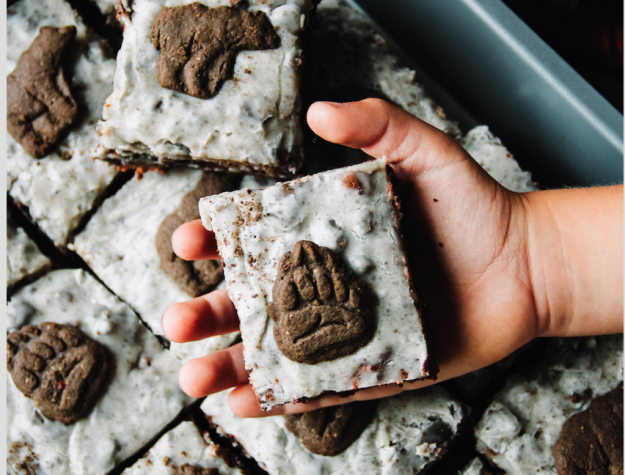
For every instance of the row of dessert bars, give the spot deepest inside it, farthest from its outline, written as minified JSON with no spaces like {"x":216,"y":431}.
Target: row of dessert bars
{"x":78,"y":116}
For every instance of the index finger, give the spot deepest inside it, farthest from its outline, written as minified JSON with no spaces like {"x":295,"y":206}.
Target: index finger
{"x":192,"y":242}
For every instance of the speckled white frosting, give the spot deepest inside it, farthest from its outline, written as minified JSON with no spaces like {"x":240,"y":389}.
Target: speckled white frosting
{"x":523,"y":423}
{"x":23,"y":256}
{"x":250,"y":121}
{"x":59,"y":192}
{"x":396,"y":441}
{"x":119,"y":245}
{"x":362,"y":228}
{"x":489,"y":152}
{"x":142,"y":398}
{"x":181,"y":445}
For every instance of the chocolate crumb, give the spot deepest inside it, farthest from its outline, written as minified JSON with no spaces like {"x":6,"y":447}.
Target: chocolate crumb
{"x":40,"y":106}
{"x":199,"y":45}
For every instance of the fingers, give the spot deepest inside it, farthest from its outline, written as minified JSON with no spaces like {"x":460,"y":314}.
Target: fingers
{"x":209,"y":315}
{"x":213,"y":373}
{"x":243,"y":401}
{"x":192,"y":242}
{"x":380,"y":129}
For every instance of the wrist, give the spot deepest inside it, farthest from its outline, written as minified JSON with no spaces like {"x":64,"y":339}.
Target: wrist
{"x":546,"y":265}
{"x":575,"y":259}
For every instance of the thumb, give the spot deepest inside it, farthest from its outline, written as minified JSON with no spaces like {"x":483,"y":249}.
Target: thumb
{"x":380,"y":129}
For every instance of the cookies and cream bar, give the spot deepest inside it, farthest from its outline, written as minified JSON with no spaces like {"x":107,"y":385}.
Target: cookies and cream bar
{"x":127,"y":243}
{"x":396,"y":435}
{"x":72,"y":340}
{"x":60,"y":187}
{"x":231,"y":104}
{"x":535,"y":423}
{"x":24,"y":259}
{"x":318,"y":274}
{"x":182,"y":450}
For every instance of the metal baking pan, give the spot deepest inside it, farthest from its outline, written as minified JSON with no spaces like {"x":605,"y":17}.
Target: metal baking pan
{"x":484,"y":65}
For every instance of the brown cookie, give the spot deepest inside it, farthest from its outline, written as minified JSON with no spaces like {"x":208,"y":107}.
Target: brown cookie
{"x":331,"y":430}
{"x":321,"y":310}
{"x":187,"y":469}
{"x":194,"y":277}
{"x":59,"y":367}
{"x":591,"y":442}
{"x":199,"y":45}
{"x":40,"y":106}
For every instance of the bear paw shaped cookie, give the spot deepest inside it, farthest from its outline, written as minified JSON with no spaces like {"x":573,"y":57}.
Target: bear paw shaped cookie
{"x":321,"y":310}
{"x":59,"y":367}
{"x":199,"y":45}
{"x":40,"y":106}
{"x":331,"y":430}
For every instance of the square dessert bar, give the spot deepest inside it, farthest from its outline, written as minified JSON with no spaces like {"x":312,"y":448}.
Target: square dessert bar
{"x":184,"y":451}
{"x":397,"y":435}
{"x":319,"y":277}
{"x":230,"y":102}
{"x":60,"y":187}
{"x":88,"y":385}
{"x":127,"y":243}
{"x":562,"y":416}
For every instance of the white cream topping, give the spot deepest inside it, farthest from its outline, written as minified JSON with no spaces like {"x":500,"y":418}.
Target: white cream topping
{"x":58,"y":191}
{"x":251,"y":121}
{"x":181,"y":445}
{"x":394,"y":442}
{"x":523,"y":423}
{"x":23,"y":256}
{"x":489,"y":152}
{"x":141,"y":399}
{"x":255,"y":229}
{"x":119,"y":245}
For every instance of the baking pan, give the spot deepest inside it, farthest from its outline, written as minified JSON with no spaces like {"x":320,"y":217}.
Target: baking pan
{"x":480,"y":62}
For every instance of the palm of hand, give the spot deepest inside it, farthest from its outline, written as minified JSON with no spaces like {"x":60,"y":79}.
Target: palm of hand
{"x":466,"y":241}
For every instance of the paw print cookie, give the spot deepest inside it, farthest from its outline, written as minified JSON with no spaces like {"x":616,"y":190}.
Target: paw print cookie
{"x":59,"y":367}
{"x":330,"y":430}
{"x":321,"y":310}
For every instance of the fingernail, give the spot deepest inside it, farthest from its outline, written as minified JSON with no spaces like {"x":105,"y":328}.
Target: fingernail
{"x":338,"y":105}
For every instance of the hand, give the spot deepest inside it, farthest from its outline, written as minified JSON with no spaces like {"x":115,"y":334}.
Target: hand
{"x":472,"y":247}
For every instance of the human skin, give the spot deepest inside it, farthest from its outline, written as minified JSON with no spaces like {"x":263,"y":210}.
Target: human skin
{"x":495,"y":269}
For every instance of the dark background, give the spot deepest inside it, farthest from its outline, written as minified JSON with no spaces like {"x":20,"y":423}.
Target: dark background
{"x":587,"y":34}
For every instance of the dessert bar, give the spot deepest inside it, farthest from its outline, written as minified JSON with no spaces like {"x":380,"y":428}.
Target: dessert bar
{"x":208,"y":85}
{"x":533,"y":423}
{"x":53,"y":174}
{"x":182,"y":451}
{"x":88,"y":385}
{"x":392,"y":436}
{"x":127,"y":243}
{"x":318,"y":274}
